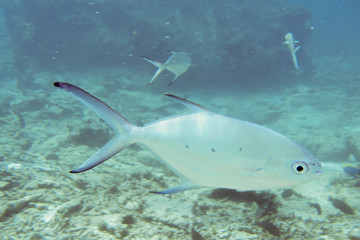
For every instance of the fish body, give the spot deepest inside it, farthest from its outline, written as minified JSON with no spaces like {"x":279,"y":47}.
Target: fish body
{"x":177,"y":63}
{"x":217,"y":151}
{"x":290,"y":42}
{"x":352,"y":171}
{"x":208,"y":149}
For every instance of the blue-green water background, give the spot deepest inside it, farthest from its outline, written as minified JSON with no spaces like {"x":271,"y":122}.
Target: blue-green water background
{"x":49,"y":133}
{"x":336,"y":25}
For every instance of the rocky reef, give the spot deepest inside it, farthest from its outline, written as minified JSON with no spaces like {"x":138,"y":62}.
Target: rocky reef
{"x":227,"y":40}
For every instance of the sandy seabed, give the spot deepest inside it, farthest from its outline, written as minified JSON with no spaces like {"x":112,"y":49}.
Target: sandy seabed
{"x":45,"y":133}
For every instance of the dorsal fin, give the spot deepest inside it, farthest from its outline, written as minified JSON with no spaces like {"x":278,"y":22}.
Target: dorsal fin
{"x":188,"y":104}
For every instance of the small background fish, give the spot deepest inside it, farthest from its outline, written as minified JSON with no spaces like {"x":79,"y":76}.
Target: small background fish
{"x":352,"y":171}
{"x":177,"y":63}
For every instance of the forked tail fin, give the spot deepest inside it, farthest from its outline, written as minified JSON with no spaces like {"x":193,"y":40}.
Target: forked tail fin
{"x":119,"y":124}
{"x":157,"y":64}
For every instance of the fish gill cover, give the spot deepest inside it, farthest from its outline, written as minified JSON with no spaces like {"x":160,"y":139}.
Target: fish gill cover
{"x":227,"y":39}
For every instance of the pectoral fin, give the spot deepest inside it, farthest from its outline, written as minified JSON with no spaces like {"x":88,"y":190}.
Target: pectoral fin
{"x":186,"y":185}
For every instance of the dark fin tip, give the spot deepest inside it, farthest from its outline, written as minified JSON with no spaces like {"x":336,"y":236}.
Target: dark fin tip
{"x":184,"y":100}
{"x":57,"y":84}
{"x":155,"y":192}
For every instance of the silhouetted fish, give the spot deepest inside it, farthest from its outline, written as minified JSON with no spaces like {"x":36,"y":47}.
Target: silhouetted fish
{"x":352,"y":171}
{"x":291,"y":44}
{"x":177,"y":63}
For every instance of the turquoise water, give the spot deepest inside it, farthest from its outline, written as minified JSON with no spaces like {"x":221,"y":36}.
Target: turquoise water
{"x":239,"y":68}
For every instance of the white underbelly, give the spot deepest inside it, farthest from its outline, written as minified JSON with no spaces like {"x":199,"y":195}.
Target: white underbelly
{"x":219,"y":153}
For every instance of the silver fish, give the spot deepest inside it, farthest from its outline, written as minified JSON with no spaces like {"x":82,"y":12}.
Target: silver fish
{"x":207,"y":149}
{"x":291,"y":44}
{"x":177,"y":63}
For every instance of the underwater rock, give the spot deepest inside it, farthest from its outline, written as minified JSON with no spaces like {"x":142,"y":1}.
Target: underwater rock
{"x":4,"y":185}
{"x":48,"y":184}
{"x":195,"y":235}
{"x":229,"y":194}
{"x":316,"y":206}
{"x":342,"y":206}
{"x":354,"y":234}
{"x":235,"y":196}
{"x":111,"y":224}
{"x":128,"y":219}
{"x":80,"y":183}
{"x":163,"y":210}
{"x":36,"y":236}
{"x":112,"y":190}
{"x":272,"y":117}
{"x":31,"y":185}
{"x":70,"y":208}
{"x":270,"y":227}
{"x":265,"y":201}
{"x":21,"y":120}
{"x":266,"y":207}
{"x":132,"y":206}
{"x":287,"y":193}
{"x":17,"y":206}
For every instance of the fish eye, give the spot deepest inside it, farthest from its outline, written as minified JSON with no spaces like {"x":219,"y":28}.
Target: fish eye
{"x":299,"y":167}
